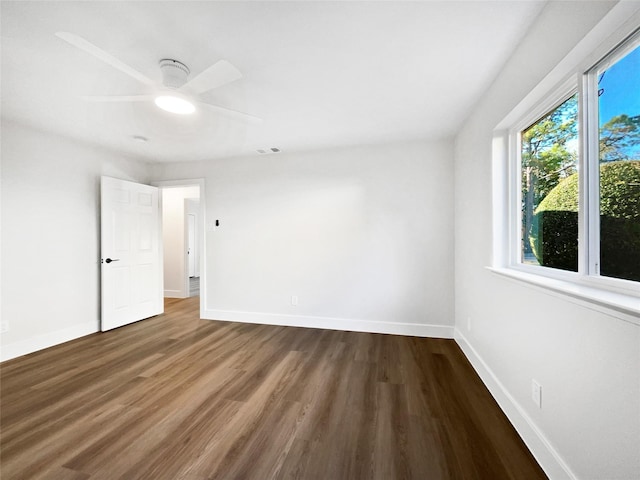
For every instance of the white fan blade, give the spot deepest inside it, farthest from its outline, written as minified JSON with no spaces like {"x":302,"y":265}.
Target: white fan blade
{"x":118,"y":98}
{"x":218,"y":74}
{"x":91,"y":49}
{"x":231,"y":112}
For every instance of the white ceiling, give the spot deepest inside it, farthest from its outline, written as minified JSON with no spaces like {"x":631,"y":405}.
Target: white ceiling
{"x":320,"y":74}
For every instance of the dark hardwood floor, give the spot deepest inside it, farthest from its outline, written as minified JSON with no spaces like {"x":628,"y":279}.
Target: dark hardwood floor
{"x":176,"y":397}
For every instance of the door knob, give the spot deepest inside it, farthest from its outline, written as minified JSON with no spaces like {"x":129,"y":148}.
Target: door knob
{"x":109,"y":260}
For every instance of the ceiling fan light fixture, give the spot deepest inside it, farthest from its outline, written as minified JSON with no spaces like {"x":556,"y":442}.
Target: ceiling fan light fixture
{"x":175,"y":104}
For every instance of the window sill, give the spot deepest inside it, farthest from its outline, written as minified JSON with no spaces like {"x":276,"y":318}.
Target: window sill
{"x":619,"y":305}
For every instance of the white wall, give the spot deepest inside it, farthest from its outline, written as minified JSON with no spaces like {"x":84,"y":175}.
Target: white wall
{"x":587,"y":362}
{"x":50,"y":236}
{"x":174,"y":239}
{"x":362,"y":236}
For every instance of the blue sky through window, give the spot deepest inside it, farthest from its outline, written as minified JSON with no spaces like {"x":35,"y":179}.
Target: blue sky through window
{"x":621,"y":85}
{"x":620,"y":93}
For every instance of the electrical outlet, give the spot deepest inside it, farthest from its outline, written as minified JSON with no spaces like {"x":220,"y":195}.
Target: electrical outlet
{"x":294,"y":300}
{"x":4,"y":327}
{"x":536,"y":393}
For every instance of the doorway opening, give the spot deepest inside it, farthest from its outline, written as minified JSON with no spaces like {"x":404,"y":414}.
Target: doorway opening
{"x":182,"y":206}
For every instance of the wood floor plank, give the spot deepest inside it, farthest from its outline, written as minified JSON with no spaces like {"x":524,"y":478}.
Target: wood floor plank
{"x":176,"y":397}
{"x":61,"y":473}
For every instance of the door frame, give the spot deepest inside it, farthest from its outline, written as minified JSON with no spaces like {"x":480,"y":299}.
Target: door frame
{"x":192,"y":237}
{"x":200,"y":230}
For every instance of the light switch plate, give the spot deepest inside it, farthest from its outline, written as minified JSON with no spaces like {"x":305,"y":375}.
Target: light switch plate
{"x":536,"y":393}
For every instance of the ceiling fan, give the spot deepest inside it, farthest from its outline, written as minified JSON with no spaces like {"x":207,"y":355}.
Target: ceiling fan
{"x":178,"y":94}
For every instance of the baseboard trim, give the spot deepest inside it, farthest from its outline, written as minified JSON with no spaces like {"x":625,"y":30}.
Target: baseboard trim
{"x":331,"y":323}
{"x":541,"y":448}
{"x":174,"y":294}
{"x":46,"y":340}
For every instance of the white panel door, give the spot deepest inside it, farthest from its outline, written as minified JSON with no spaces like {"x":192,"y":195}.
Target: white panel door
{"x":131,"y":256}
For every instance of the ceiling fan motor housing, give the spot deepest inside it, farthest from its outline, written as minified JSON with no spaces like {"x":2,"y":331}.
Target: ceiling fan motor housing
{"x":174,"y":73}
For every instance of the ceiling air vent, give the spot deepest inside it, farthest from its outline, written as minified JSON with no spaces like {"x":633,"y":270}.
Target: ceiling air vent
{"x":267,"y":151}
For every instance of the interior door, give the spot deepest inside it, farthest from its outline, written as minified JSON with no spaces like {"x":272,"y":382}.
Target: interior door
{"x":131,"y":255}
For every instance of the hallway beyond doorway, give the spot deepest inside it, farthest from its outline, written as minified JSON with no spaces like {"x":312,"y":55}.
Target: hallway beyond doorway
{"x":194,"y":286}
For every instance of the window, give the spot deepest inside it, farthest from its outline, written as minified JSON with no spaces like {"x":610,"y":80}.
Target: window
{"x":618,"y":91}
{"x":549,"y":156}
{"x":575,"y":178}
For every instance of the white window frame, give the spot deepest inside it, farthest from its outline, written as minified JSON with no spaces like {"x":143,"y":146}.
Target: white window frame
{"x":606,"y":44}
{"x":546,"y":106}
{"x":591,"y":140}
